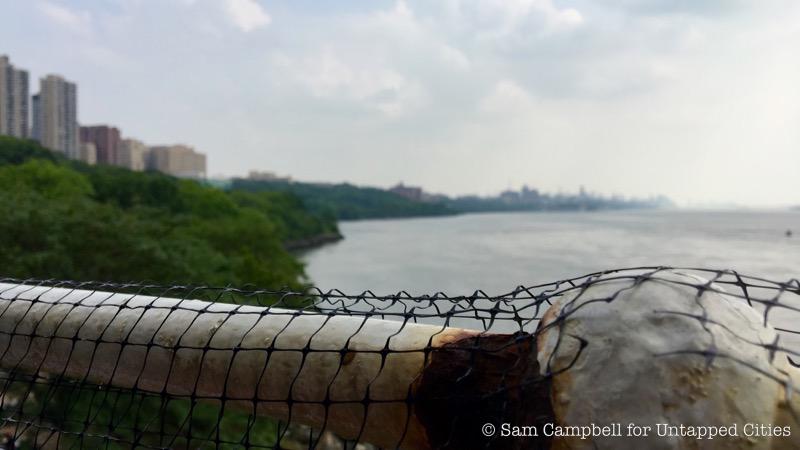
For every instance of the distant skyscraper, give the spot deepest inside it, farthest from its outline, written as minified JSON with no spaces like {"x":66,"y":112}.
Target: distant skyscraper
{"x":132,"y":154}
{"x":106,"y":140}
{"x":55,"y":115}
{"x":13,"y":99}
{"x":88,"y":153}
{"x":177,"y":160}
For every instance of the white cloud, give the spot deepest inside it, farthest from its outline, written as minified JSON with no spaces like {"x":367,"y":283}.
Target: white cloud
{"x":401,"y":9}
{"x":499,"y":19}
{"x":506,"y":96}
{"x":553,"y":15}
{"x":454,"y":56}
{"x":329,"y":75}
{"x":398,"y":20}
{"x":76,"y":21}
{"x":568,"y":17}
{"x":247,"y":15}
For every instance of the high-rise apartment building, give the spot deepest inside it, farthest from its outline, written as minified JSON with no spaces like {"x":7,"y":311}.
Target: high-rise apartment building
{"x":178,"y":160}
{"x":55,"y":115}
{"x":106,"y":140}
{"x":13,"y":99}
{"x":132,"y":154}
{"x":87,"y":153}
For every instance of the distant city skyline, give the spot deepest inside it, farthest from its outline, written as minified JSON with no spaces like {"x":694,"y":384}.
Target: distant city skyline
{"x":53,"y":115}
{"x":699,"y":101}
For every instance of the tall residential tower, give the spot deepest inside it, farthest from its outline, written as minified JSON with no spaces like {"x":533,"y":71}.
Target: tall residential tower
{"x":106,"y":140}
{"x":13,"y":99}
{"x":55,"y":115}
{"x":132,"y":154}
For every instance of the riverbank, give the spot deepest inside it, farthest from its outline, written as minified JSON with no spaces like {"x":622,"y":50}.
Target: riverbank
{"x":312,"y":242}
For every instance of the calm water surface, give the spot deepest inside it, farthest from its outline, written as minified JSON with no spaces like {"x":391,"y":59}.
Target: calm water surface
{"x":497,"y":252}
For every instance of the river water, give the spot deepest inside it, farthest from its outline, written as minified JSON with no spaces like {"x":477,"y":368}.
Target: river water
{"x":497,"y":252}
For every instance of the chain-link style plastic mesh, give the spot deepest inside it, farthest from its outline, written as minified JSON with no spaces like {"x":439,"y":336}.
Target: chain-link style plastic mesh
{"x":103,"y":365}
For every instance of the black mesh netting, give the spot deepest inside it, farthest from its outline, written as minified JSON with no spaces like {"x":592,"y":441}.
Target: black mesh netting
{"x":103,"y":365}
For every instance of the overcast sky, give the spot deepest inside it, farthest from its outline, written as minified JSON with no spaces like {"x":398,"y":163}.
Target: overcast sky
{"x":695,"y":99}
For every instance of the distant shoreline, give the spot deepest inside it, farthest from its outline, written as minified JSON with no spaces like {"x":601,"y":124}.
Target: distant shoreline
{"x":501,"y":211}
{"x":556,"y":211}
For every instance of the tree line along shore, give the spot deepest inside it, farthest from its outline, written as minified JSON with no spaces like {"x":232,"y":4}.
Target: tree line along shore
{"x":63,"y":219}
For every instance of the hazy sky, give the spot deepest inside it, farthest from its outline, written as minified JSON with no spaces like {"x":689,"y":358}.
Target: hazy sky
{"x":695,"y":99}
